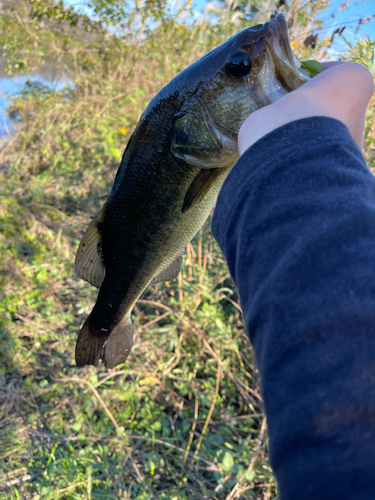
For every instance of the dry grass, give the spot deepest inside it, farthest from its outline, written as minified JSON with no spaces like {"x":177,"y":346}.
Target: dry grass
{"x":183,"y":418}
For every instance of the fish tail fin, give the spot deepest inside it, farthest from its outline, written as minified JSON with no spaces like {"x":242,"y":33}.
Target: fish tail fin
{"x":119,"y":344}
{"x":89,"y":345}
{"x":113,"y":348}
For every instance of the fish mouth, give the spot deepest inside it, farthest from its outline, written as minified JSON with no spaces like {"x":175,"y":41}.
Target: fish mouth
{"x":287,"y":65}
{"x":281,"y":21}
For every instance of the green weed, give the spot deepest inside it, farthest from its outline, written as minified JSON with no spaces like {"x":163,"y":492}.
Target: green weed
{"x":183,"y":418}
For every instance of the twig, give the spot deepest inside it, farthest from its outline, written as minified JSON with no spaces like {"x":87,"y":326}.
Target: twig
{"x":27,"y":477}
{"x":109,"y":39}
{"x":110,"y":375}
{"x":233,"y":303}
{"x":154,"y":303}
{"x":83,"y":381}
{"x":155,"y":320}
{"x":254,"y":458}
{"x":12,"y":473}
{"x":240,"y":385}
{"x":229,"y":419}
{"x":106,"y":409}
{"x":180,"y":290}
{"x":192,"y":430}
{"x":169,"y":445}
{"x":218,"y":376}
{"x":200,"y":247}
{"x":74,"y":485}
{"x":232,"y":376}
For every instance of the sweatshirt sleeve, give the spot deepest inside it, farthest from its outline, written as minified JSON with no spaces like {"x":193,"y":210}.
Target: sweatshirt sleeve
{"x":296,"y":221}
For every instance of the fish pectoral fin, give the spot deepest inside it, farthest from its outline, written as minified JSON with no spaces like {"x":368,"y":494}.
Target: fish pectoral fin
{"x":89,"y":262}
{"x":171,"y":272}
{"x":199,"y":187}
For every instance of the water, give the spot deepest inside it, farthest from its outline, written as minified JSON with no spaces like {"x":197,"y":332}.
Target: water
{"x":8,"y":86}
{"x":48,"y":74}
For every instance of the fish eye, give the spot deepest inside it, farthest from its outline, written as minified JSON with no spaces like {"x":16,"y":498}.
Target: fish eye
{"x":239,"y":65}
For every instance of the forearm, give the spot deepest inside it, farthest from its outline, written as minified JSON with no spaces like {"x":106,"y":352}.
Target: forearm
{"x":296,"y":222}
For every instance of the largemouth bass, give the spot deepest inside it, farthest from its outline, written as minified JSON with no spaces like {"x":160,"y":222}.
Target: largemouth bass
{"x":170,"y":175}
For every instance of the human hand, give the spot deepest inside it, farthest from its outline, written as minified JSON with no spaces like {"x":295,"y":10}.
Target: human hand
{"x":342,"y":91}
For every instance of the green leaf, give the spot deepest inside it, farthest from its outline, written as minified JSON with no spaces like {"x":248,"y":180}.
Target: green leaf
{"x":156,"y":426}
{"x":152,"y":468}
{"x":120,"y":431}
{"x":227,"y":462}
{"x":77,"y":426}
{"x":250,"y":475}
{"x":93,"y":378}
{"x":315,"y":67}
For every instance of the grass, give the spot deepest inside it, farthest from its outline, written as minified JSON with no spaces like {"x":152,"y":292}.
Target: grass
{"x":183,"y":418}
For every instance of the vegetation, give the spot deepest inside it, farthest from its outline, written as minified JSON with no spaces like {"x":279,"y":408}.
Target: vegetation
{"x":183,"y":418}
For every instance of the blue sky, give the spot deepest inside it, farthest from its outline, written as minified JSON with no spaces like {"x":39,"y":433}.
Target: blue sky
{"x":357,"y":9}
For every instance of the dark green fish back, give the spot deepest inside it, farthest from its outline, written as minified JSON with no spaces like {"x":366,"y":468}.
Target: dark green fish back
{"x":170,"y":175}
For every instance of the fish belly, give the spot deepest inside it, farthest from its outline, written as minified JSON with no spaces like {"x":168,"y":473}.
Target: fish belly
{"x":178,"y":231}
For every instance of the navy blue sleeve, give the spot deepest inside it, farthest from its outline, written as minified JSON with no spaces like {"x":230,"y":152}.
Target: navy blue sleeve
{"x":296,"y":221}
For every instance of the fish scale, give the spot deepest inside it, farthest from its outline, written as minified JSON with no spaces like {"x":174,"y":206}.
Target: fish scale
{"x":170,"y":176}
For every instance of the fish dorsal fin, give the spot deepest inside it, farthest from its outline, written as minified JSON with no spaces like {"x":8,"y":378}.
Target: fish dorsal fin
{"x":199,"y":187}
{"x":89,"y":261}
{"x":171,"y":272}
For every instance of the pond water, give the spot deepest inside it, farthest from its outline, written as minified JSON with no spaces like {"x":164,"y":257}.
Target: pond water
{"x":8,"y":86}
{"x":48,"y":74}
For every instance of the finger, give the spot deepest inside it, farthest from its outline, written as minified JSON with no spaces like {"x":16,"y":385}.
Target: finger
{"x":331,"y":64}
{"x":344,"y":90}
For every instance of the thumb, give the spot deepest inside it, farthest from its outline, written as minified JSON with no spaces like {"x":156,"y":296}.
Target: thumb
{"x":342,"y":92}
